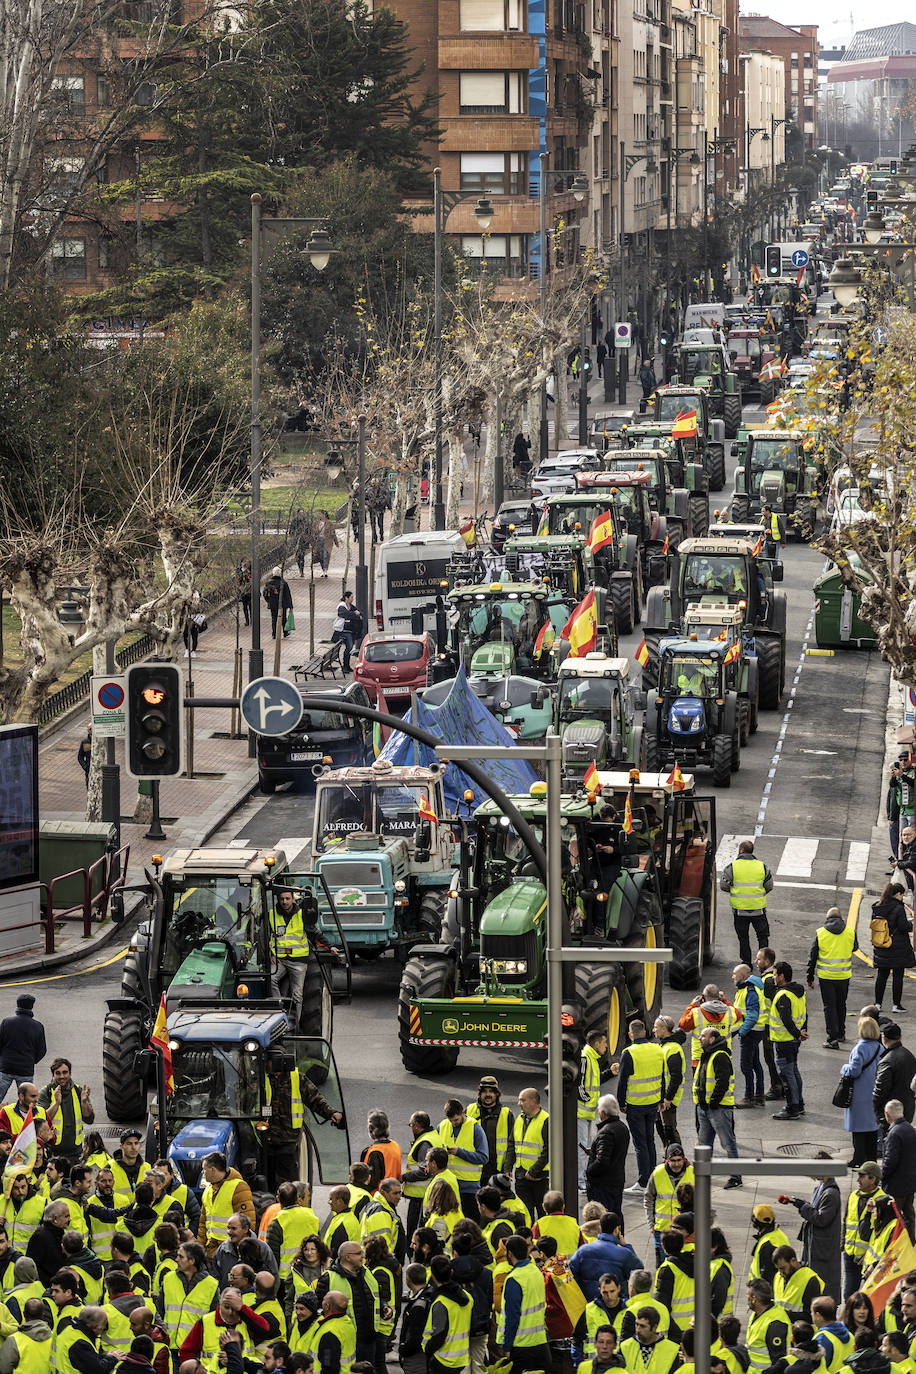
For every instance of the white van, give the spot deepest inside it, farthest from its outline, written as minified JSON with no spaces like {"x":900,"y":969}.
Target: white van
{"x":707,"y":315}
{"x":409,"y":573}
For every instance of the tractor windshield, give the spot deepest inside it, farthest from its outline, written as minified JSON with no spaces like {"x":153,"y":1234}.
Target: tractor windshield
{"x":691,"y":676}
{"x":342,"y":809}
{"x":569,"y":518}
{"x":628,"y":500}
{"x":589,"y":696}
{"x":706,"y":573}
{"x":670,"y":407}
{"x":513,"y":618}
{"x":397,"y":808}
{"x":744,"y":346}
{"x":702,"y":362}
{"x":211,"y":909}
{"x":215,"y":1081}
{"x":767,"y":454}
{"x":776,"y":293}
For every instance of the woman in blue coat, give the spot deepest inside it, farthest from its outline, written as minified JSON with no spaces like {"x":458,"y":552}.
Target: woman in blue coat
{"x":859,"y":1116}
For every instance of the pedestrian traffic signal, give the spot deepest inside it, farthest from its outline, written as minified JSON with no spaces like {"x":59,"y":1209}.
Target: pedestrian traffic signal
{"x":774,"y":260}
{"x":871,"y":200}
{"x":155,"y":720}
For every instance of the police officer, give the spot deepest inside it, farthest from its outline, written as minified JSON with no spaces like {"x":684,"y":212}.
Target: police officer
{"x":288,"y":932}
{"x":830,"y":960}
{"x":747,"y":880}
{"x":588,"y":1092}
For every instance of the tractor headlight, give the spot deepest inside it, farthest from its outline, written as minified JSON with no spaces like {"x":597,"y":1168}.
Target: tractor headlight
{"x":515,"y":966}
{"x":400,"y":885}
{"x":696,"y":724}
{"x":250,"y":1046}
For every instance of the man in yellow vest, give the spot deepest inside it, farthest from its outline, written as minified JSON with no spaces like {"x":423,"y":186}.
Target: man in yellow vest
{"x":769,"y":1331}
{"x":332,"y":1340}
{"x":13,"y":1114}
{"x":447,"y":1334}
{"x":498,"y":1124}
{"x":588,"y":1090}
{"x":788,"y":1020}
{"x":714,"y":1093}
{"x":78,"y":1344}
{"x":521,"y":1330}
{"x":660,"y":1200}
{"x":795,"y":1286}
{"x":415,"y":1179}
{"x":772,"y":531}
{"x":751,"y":1001}
{"x":555,"y":1222}
{"x":639,"y":1094}
{"x":467,"y":1150}
{"x":831,"y":1335}
{"x":671,"y":1038}
{"x":380,"y":1218}
{"x":747,"y":881}
{"x":342,"y":1223}
{"x":830,"y":961}
{"x":187,"y":1292}
{"x":203,"y":1340}
{"x":649,"y":1352}
{"x":294,"y":1221}
{"x":857,"y":1226}
{"x":226,"y":1192}
{"x":29,"y":1349}
{"x":128,"y":1166}
{"x":73,"y":1108}
{"x":288,"y":1092}
{"x":291,"y":942}
{"x":675,"y":1280}
{"x":531,"y":1150}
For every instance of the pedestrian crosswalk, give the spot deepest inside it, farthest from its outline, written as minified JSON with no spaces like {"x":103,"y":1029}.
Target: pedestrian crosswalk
{"x":822,"y":863}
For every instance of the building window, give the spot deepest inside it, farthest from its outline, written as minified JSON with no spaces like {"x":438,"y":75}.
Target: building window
{"x":506,"y":253}
{"x":64,"y":176}
{"x":490,"y":16}
{"x":495,"y":173}
{"x":492,"y":92}
{"x":68,"y":259}
{"x":105,"y":246}
{"x":102,"y":92}
{"x":71,"y":90}
{"x":146,"y":93}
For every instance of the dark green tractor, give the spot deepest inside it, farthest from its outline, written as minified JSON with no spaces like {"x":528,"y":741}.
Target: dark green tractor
{"x":774,"y":469}
{"x":671,"y":405}
{"x":618,"y":564}
{"x":708,"y":366}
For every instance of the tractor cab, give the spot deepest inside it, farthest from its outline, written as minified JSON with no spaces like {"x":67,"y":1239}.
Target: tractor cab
{"x":563,"y":562}
{"x":715,"y":621}
{"x":224,"y":1061}
{"x":630,"y":492}
{"x":594,"y":714}
{"x":774,"y":464}
{"x":495,"y":627}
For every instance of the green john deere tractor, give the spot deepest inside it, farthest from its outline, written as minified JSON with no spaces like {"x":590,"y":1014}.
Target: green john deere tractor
{"x":709,"y":366}
{"x":776,"y":468}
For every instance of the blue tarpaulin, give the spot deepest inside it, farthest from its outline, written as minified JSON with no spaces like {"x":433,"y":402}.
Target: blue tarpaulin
{"x":460,"y":719}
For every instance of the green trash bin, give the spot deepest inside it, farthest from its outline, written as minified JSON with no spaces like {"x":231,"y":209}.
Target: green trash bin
{"x":837,"y":624}
{"x":67,"y":845}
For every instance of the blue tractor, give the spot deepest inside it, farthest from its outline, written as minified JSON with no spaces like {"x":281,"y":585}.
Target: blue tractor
{"x":693,"y":718}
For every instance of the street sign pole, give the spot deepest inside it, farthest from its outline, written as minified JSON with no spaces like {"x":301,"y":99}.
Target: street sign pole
{"x":111,"y":773}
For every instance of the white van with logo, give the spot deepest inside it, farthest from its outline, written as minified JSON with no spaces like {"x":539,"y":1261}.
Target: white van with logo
{"x":409,"y":574}
{"x":706,"y":315}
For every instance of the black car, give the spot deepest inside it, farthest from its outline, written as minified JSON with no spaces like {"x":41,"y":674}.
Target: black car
{"x":327,"y":738}
{"x":520,"y":514}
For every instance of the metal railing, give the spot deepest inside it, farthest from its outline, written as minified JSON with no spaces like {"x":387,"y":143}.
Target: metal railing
{"x":113,"y":868}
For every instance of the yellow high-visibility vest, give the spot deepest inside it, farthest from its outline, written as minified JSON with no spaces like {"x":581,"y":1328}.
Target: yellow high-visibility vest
{"x":589,"y":1083}
{"x":455,"y":1351}
{"x":834,"y":954}
{"x":644,"y":1085}
{"x":343,"y":1328}
{"x":789,"y":1292}
{"x":532,"y":1317}
{"x":757,"y":1328}
{"x":218,"y":1206}
{"x":666,"y":1203}
{"x":502,"y":1135}
{"x":295,"y":1223}
{"x":673,"y":1049}
{"x":747,"y":892}
{"x":463,"y":1169}
{"x":296,"y":1095}
{"x":412,"y":1162}
{"x":182,"y":1309}
{"x":529,"y":1138}
{"x":210,"y":1347}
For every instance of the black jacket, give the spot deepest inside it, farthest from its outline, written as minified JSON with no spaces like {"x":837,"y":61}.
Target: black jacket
{"x":674,"y":1067}
{"x":723,"y":1073}
{"x":476,"y":1278}
{"x":896,"y":1070}
{"x":836,"y":925}
{"x":664,"y":1282}
{"x":898,"y":1165}
{"x":784,"y":1008}
{"x":869,"y":1361}
{"x":22,"y":1043}
{"x":277,"y":593}
{"x":45,"y":1249}
{"x":437,"y":1337}
{"x":413,"y":1322}
{"x":899,"y":953}
{"x":607,"y":1154}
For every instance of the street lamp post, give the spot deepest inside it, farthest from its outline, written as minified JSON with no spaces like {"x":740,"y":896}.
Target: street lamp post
{"x":319,"y":251}
{"x":674,"y":157}
{"x":443,"y":203}
{"x":774,"y":125}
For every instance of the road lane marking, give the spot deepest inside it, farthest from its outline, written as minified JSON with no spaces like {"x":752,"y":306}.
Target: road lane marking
{"x":727,"y":850}
{"x":293,"y":845}
{"x":797,"y":859}
{"x":73,"y":973}
{"x":857,"y":861}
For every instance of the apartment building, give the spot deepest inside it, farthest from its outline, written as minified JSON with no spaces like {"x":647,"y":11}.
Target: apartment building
{"x":514,"y":78}
{"x":798,"y":48}
{"x":764,"y":92}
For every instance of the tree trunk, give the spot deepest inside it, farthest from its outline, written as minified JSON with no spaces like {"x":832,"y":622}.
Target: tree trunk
{"x":453,"y":496}
{"x":398,"y":506}
{"x":561,"y":401}
{"x":490,"y":453}
{"x":534,"y":425}
{"x":206,"y":246}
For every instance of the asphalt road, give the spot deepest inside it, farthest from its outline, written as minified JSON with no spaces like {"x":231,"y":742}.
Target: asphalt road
{"x":808,"y":787}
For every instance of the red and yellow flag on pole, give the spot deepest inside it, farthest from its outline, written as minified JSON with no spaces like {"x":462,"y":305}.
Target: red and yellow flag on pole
{"x":732,"y":653}
{"x":426,"y":811}
{"x":675,"y":778}
{"x":800,"y":276}
{"x":757,"y":547}
{"x":665,"y":545}
{"x":590,"y":781}
{"x":642,"y":654}
{"x":685,"y":425}
{"x":755,"y":273}
{"x":627,"y":826}
{"x":898,"y":1259}
{"x":159,"y":1040}
{"x":602,"y":531}
{"x":546,"y":636}
{"x":581,"y":629}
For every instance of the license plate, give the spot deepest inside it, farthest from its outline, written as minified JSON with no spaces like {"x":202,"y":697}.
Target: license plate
{"x":305,"y":758}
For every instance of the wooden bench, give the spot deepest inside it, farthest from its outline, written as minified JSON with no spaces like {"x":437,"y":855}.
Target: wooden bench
{"x":325,"y":663}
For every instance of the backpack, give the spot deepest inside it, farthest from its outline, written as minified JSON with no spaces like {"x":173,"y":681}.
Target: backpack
{"x":880,"y":931}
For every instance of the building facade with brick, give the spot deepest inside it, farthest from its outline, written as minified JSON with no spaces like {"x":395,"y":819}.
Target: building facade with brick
{"x":798,"y":48}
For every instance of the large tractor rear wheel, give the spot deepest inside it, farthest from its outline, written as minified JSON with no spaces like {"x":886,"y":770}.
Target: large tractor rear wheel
{"x":697,"y":514}
{"x":769,"y":673}
{"x":741,"y":509}
{"x":722,"y":761}
{"x":430,"y":975}
{"x":317,"y":1014}
{"x":652,"y":752}
{"x":622,"y":594}
{"x":731,"y":413}
{"x":650,"y":671}
{"x":122,"y":1040}
{"x":686,"y":938}
{"x":644,"y":981}
{"x":767,"y":391}
{"x":131,"y":984}
{"x":599,"y":990}
{"x":715,"y":454}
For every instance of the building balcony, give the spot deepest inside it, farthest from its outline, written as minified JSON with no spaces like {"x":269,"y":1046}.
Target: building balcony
{"x":489,"y":52}
{"x":481,"y":133}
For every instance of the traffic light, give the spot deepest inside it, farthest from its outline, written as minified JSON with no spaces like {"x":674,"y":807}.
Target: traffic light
{"x":774,"y":260}
{"x":871,"y":200}
{"x":155,"y":720}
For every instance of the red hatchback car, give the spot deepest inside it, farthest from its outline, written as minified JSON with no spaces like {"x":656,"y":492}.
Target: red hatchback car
{"x":396,"y":664}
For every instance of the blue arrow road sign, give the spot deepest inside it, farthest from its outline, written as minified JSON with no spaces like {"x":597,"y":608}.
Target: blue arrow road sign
{"x":879,"y":335}
{"x":800,"y":258}
{"x":271,"y":706}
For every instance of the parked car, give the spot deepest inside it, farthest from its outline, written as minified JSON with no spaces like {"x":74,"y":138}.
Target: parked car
{"x":321,"y":739}
{"x":396,"y":664}
{"x":519,"y":514}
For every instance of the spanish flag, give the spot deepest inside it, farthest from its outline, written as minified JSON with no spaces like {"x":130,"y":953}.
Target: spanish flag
{"x":755,"y":273}
{"x":159,"y":1040}
{"x":758,"y":546}
{"x":642,"y":654}
{"x":545,"y":640}
{"x":590,"y":781}
{"x":602,"y":531}
{"x":665,"y":545}
{"x":627,"y":826}
{"x":800,"y":277}
{"x":581,"y":629}
{"x":468,"y":533}
{"x":898,"y":1259}
{"x":675,"y":779}
{"x":685,"y":425}
{"x":426,"y":811}
{"x":732,"y":653}
{"x":770,"y":322}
